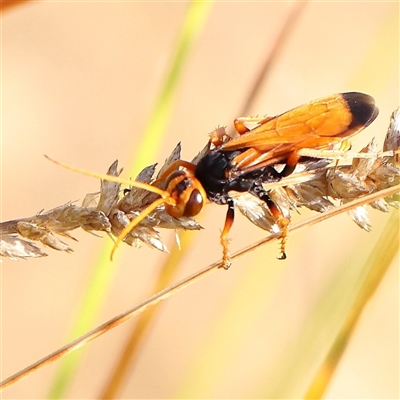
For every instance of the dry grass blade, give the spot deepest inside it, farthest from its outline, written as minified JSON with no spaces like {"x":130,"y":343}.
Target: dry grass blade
{"x":171,"y":290}
{"x":378,"y":263}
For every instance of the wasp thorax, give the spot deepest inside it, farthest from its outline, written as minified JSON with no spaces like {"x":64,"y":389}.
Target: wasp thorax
{"x":187,"y":192}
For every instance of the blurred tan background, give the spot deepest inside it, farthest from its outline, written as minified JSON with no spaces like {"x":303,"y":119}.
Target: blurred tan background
{"x":78,"y":81}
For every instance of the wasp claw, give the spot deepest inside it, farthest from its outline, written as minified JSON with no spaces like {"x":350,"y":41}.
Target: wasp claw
{"x":282,"y":256}
{"x":226,"y":263}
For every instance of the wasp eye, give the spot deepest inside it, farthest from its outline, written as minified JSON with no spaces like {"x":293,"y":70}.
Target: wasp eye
{"x":194,"y":203}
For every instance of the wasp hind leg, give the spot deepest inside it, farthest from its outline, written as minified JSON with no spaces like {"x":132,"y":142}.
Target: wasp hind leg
{"x":282,"y":221}
{"x":230,"y":217}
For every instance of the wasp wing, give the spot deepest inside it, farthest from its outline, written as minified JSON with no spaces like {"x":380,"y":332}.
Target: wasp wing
{"x":316,"y":125}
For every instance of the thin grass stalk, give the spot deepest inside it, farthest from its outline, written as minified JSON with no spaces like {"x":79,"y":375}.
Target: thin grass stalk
{"x":151,"y":142}
{"x":171,"y":290}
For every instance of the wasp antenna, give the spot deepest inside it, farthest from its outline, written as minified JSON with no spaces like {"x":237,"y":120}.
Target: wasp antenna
{"x":111,"y":236}
{"x":111,"y":178}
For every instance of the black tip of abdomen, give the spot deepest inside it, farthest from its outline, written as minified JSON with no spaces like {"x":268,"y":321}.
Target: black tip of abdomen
{"x":362,"y":107}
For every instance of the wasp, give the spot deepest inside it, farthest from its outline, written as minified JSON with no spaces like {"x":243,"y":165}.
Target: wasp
{"x":249,"y":160}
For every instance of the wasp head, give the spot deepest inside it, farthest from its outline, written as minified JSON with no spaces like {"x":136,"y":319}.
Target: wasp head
{"x":187,"y":192}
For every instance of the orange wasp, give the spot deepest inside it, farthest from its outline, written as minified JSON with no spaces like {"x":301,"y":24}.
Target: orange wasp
{"x":244,"y":163}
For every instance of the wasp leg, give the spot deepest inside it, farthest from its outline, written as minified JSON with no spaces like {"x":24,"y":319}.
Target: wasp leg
{"x":246,"y":124}
{"x":291,"y":163}
{"x":230,"y":217}
{"x":280,"y":219}
{"x":240,"y":126}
